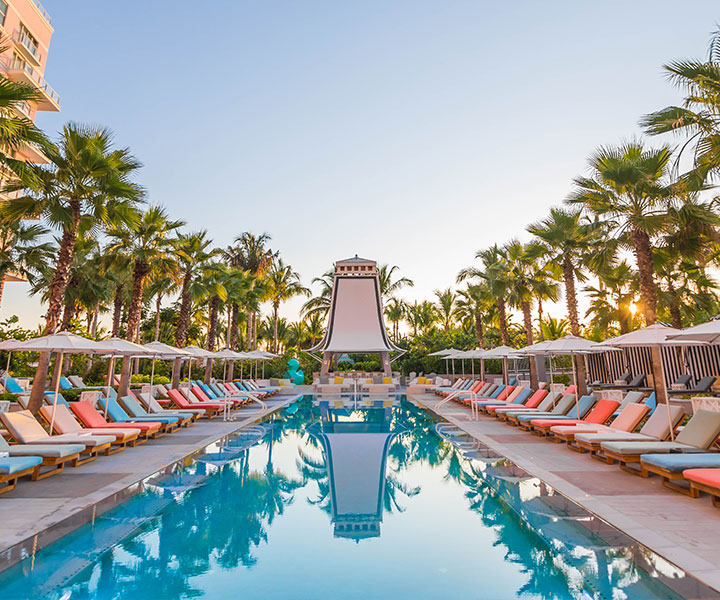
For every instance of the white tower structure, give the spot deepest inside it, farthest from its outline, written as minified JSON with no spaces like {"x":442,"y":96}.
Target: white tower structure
{"x":355,"y":322}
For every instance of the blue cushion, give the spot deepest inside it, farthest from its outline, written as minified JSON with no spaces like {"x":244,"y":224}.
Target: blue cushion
{"x":50,"y":399}
{"x":65,"y":384}
{"x":680,"y":462}
{"x":12,"y":386}
{"x":13,"y":464}
{"x":210,"y":394}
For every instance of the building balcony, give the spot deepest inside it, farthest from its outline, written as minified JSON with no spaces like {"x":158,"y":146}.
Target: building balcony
{"x":26,"y":47}
{"x":32,"y":154}
{"x":45,"y":14}
{"x":49,"y":98}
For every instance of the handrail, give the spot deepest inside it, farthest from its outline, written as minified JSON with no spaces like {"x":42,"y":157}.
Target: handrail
{"x":455,"y":394}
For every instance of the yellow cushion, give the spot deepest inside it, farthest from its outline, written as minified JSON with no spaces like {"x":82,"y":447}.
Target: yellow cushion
{"x":338,"y":380}
{"x":368,"y":381}
{"x":387,"y":380}
{"x":421,"y":380}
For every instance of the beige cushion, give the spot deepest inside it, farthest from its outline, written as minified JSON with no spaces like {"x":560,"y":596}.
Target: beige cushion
{"x":702,"y":429}
{"x":629,"y":417}
{"x":657,"y":424}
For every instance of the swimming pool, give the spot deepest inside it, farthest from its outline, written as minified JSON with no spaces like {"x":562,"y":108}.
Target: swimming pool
{"x":347,"y":498}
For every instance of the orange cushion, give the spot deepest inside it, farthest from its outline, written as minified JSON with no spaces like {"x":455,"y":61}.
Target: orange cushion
{"x":709,"y":477}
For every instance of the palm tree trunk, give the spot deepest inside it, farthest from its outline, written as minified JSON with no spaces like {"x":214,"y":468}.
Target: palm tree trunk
{"x":140,"y":271}
{"x":255,"y":331}
{"x":502,"y":314}
{"x":184,"y":316}
{"x":541,"y":335}
{"x":479,"y":331}
{"x":646,"y":270}
{"x":96,"y":315}
{"x":157,"y":317}
{"x":675,"y":314}
{"x":571,"y":296}
{"x":213,"y":323}
{"x":57,"y":294}
{"x":527,"y":319}
{"x":117,"y":309}
{"x":248,"y":331}
{"x":276,"y":305}
{"x":234,"y":325}
{"x":68,"y":314}
{"x":2,"y":287}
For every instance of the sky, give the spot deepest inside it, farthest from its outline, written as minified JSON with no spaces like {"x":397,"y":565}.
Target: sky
{"x":410,"y":132}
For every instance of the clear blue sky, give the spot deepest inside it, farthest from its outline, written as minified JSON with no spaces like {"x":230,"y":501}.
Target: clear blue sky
{"x":411,"y":132}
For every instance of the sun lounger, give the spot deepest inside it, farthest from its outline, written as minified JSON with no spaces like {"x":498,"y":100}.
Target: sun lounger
{"x":578,"y":410}
{"x":699,"y":434}
{"x":703,"y":387}
{"x":202,"y":397}
{"x":54,"y":456}
{"x":638,"y":381}
{"x":211,"y":409}
{"x":12,"y":386}
{"x":65,"y":423}
{"x":671,"y":466}
{"x":599,"y":414}
{"x":517,"y":398}
{"x":23,"y":426}
{"x":135,"y":410}
{"x":154,"y":408}
{"x":534,"y":402}
{"x":705,"y":480}
{"x":656,"y":428}
{"x":118,"y":415}
{"x":628,"y":419}
{"x":562,"y":406}
{"x":90,"y":417}
{"x":14,"y":467}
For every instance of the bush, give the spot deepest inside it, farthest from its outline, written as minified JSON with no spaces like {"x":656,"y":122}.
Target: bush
{"x":8,"y":397}
{"x":158,"y":379}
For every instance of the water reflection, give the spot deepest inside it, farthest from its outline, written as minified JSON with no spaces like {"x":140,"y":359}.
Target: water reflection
{"x":205,"y":528}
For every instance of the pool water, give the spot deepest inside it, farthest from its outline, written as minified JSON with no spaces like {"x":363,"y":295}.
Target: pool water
{"x":347,"y":498}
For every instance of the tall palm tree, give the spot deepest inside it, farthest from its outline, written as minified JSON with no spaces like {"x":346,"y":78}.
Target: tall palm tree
{"x":22,"y":250}
{"x":473,"y":304}
{"x":87,"y":184}
{"x":421,"y":317}
{"x":394,"y":312}
{"x":314,"y":328}
{"x":699,"y":116}
{"x":147,"y":243}
{"x":283,"y":284}
{"x":388,"y":284}
{"x":446,"y":307}
{"x":629,"y":187}
{"x":320,"y":304}
{"x":160,"y":286}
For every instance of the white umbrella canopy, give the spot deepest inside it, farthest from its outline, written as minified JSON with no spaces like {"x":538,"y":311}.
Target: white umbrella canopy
{"x":500,"y":352}
{"x":228,"y":354}
{"x":10,"y":344}
{"x":708,"y":333}
{"x":166,"y":351}
{"x":568,"y":344}
{"x":444,"y":352}
{"x":197,"y":352}
{"x":121,"y":347}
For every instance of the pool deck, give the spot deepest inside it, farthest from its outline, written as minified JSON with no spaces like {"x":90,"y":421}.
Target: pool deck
{"x":37,"y":513}
{"x":683,"y":530}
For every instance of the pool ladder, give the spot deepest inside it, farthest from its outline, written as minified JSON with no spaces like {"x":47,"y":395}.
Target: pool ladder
{"x":233,"y":417}
{"x":474,"y":412}
{"x":451,"y":433}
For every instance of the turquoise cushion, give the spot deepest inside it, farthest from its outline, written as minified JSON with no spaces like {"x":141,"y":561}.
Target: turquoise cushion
{"x":680,"y":462}
{"x":12,"y":386}
{"x":13,"y":464}
{"x":65,"y":384}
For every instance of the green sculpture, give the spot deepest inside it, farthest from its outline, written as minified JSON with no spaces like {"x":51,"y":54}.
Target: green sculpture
{"x":294,"y":372}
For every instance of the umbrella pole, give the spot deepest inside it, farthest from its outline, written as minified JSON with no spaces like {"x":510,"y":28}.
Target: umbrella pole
{"x":482,"y":369}
{"x":225,"y":371}
{"x":111,"y":372}
{"x":152,"y":377}
{"x":59,"y":357}
{"x":263,"y":370}
{"x":505,"y":370}
{"x":577,"y":395}
{"x":472,"y":367}
{"x":7,"y":368}
{"x":660,"y":387}
{"x":242,"y":363}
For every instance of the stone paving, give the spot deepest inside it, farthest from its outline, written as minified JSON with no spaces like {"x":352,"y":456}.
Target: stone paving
{"x":39,"y":512}
{"x":683,"y":530}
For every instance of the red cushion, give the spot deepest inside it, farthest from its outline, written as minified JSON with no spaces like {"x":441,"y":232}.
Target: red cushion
{"x":602,"y":412}
{"x":709,"y":477}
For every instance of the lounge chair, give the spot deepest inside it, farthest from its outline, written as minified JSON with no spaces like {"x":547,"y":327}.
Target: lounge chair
{"x":533,"y":402}
{"x":54,"y":456}
{"x":65,"y":423}
{"x":636,"y":382}
{"x":599,"y":414}
{"x":118,"y":415}
{"x":12,"y":386}
{"x":153,"y":407}
{"x":671,"y":467}
{"x":202,"y":397}
{"x":14,"y":467}
{"x":517,"y":398}
{"x":628,"y":419}
{"x":699,"y":434}
{"x":578,"y":410}
{"x":703,"y":387}
{"x":211,"y":409}
{"x":656,"y":428}
{"x":23,"y":426}
{"x":562,"y":406}
{"x":135,"y":410}
{"x":705,"y":480}
{"x":626,"y":377}
{"x":91,"y":418}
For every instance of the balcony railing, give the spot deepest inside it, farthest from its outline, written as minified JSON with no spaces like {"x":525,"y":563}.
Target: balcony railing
{"x":43,"y":12}
{"x":24,"y":108}
{"x":39,"y":80}
{"x":26,"y":42}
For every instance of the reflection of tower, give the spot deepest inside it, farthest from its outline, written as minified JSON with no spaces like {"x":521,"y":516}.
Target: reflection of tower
{"x":356,"y":322}
{"x":355,"y":444}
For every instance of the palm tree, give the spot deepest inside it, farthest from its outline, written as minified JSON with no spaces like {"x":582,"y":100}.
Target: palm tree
{"x":628,"y":187}
{"x":146,"y":242}
{"x":388,"y":285}
{"x":315,"y":328}
{"x":446,"y":307}
{"x":554,"y":328}
{"x":611,"y":302}
{"x":699,"y":116}
{"x":394,"y":312}
{"x":22,"y":251}
{"x":422,"y":316}
{"x":320,"y":304}
{"x":193,"y":254}
{"x":567,"y":241}
{"x":86,"y":184}
{"x":159,"y":286}
{"x":473,"y":304}
{"x":283,"y":284}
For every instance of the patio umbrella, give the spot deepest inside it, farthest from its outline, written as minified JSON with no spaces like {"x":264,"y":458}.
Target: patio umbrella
{"x":197,"y":353}
{"x":163,"y":352}
{"x":653,"y":337}
{"x":708,"y":333}
{"x":9,"y":344}
{"x":445,"y":353}
{"x":570,"y":345}
{"x":63,"y":343}
{"x":226,"y":354}
{"x":121,"y":347}
{"x":261,"y":356}
{"x":503,"y":352}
